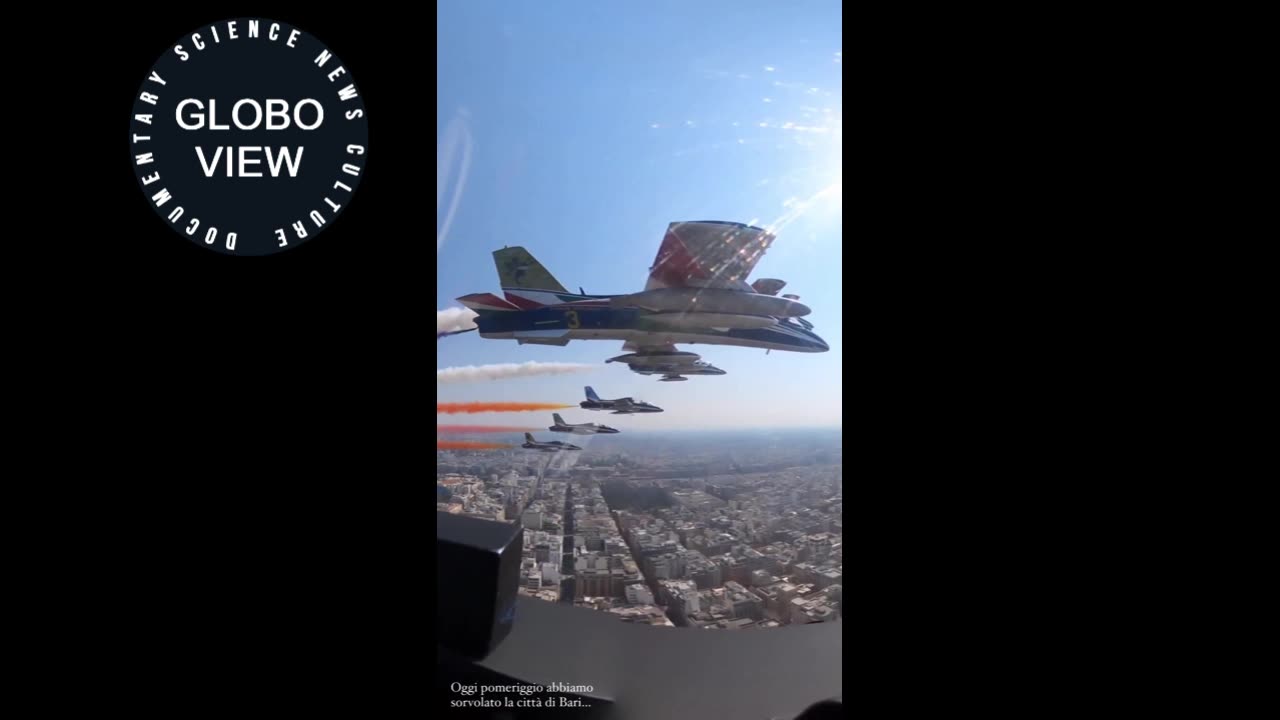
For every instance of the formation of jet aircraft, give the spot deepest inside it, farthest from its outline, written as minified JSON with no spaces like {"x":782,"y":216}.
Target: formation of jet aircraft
{"x":697,"y":292}
{"x":579,"y":429}
{"x":621,"y":406}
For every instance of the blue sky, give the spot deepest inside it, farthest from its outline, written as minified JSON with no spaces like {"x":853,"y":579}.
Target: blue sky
{"x":581,"y":129}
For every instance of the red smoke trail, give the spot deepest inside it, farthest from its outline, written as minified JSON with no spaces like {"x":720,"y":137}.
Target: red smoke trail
{"x":472,"y":429}
{"x":481,"y":407}
{"x":461,"y":445}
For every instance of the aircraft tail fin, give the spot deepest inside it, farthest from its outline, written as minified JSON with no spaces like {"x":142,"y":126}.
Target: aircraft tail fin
{"x":528,"y":437}
{"x":591,"y":394}
{"x":559,"y":420}
{"x":518,"y":269}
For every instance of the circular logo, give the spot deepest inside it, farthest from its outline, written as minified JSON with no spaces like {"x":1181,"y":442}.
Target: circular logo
{"x":249,"y":137}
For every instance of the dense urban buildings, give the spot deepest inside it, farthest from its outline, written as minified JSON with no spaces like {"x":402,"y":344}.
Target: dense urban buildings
{"x":726,"y":531}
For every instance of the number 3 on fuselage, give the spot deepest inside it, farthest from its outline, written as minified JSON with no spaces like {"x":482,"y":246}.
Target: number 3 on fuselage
{"x":571,"y":319}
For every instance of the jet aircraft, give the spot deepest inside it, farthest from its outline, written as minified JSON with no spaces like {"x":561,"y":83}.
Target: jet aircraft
{"x":672,"y":366}
{"x":621,"y":406}
{"x":579,"y":429}
{"x":549,"y":446}
{"x":696,"y":293}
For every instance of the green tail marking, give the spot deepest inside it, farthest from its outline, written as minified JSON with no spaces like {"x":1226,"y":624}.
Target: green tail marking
{"x":518,"y":269}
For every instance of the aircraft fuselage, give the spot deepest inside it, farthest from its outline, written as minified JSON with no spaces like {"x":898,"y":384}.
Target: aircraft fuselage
{"x":616,"y":409}
{"x":555,"y":323}
{"x":583,"y":429}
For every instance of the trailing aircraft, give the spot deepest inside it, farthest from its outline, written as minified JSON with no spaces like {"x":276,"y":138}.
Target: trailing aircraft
{"x":580,"y":428}
{"x":549,"y":446}
{"x":621,"y":406}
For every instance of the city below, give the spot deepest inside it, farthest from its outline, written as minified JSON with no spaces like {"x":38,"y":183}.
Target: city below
{"x":713,"y":530}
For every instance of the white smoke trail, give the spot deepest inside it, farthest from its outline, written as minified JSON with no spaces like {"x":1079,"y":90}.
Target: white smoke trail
{"x":455,"y":136}
{"x":454,"y":319}
{"x":503,"y":371}
{"x":563,"y":462}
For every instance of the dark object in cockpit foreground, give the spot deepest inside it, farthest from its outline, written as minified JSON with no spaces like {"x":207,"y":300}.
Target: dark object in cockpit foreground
{"x":477,"y":578}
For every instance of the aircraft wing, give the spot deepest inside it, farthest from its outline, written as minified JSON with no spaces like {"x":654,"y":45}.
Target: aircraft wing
{"x":708,"y":254}
{"x":657,"y":349}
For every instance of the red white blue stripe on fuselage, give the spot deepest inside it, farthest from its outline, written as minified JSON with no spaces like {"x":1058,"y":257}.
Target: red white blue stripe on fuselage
{"x":529,"y":299}
{"x":582,"y":321}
